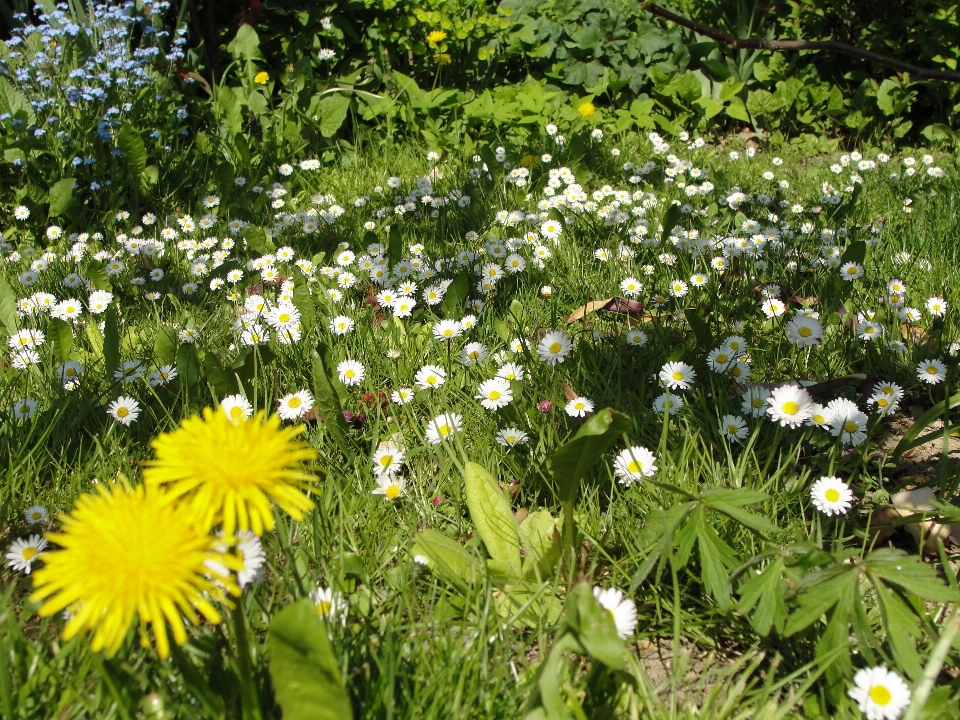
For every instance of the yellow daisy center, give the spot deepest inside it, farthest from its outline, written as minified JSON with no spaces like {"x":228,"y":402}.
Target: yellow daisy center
{"x":494,"y":395}
{"x":805,"y":332}
{"x":29,"y":553}
{"x":634,"y":466}
{"x":850,"y":426}
{"x":444,"y":430}
{"x":122,"y":411}
{"x":721,"y":358}
{"x":392,"y":492}
{"x":678,"y":375}
{"x":880,"y":695}
{"x":236,"y":412}
{"x":555,"y":347}
{"x":832,"y":494}
{"x":790,"y":407}
{"x":323,"y":607}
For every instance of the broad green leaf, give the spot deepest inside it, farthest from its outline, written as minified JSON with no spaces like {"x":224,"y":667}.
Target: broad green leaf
{"x":305,"y":673}
{"x":447,"y":557}
{"x":133,"y":151}
{"x":701,"y":329}
{"x":246,"y":44}
{"x":540,"y":537}
{"x":13,"y":102}
{"x":490,"y":512}
{"x":737,"y":110}
{"x":257,"y":240}
{"x":111,"y":342}
{"x":394,"y":245}
{"x":596,"y":629}
{"x":571,"y":461}
{"x":165,"y":345}
{"x":333,"y":111}
{"x":457,"y":293}
{"x":215,"y":374}
{"x":188,"y":364}
{"x":327,"y":400}
{"x":96,"y":274}
{"x":903,"y":628}
{"x":61,"y":339}
{"x":60,"y":196}
{"x":715,"y":559}
{"x":8,"y":307}
{"x":303,"y":301}
{"x":817,"y":598}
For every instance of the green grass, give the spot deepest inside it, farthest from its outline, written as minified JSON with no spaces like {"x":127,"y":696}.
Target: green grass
{"x":414,"y":645}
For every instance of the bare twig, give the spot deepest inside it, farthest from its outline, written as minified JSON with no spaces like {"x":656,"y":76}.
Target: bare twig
{"x":832,"y":45}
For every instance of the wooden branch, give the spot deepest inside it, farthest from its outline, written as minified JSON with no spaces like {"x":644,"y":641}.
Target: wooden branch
{"x":762,"y":44}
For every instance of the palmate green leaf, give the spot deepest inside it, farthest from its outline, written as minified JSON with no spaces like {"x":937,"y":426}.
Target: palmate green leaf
{"x":716,"y":559}
{"x":448,"y":558}
{"x":111,"y":342}
{"x":816,"y":598}
{"x":571,"y":461}
{"x":761,"y":599}
{"x":910,"y":573}
{"x":490,"y":512}
{"x":61,"y":339}
{"x":304,"y":671}
{"x":903,"y":629}
{"x":729,"y":501}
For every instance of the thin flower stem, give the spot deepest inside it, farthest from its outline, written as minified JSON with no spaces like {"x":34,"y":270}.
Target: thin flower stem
{"x":249,"y":698}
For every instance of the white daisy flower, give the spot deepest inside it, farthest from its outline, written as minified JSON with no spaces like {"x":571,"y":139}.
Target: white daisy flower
{"x":623,"y":611}
{"x":931,"y":372}
{"x":554,"y":347}
{"x":443,"y":427}
{"x":351,"y":372}
{"x":881,"y":694}
{"x":236,"y":407}
{"x":295,"y":405}
{"x":633,"y":464}
{"x":831,"y":496}
{"x":495,"y":393}
{"x":579,"y":407}
{"x":790,"y":405}
{"x":677,"y":375}
{"x":511,"y":437}
{"x":390,"y":486}
{"x":23,"y":553}
{"x":125,"y":410}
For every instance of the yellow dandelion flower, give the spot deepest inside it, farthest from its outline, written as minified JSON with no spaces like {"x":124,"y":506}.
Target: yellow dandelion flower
{"x":586,"y":109}
{"x":436,"y":36}
{"x":442,"y":59}
{"x":128,"y":552}
{"x":229,"y":472}
{"x":261,"y":78}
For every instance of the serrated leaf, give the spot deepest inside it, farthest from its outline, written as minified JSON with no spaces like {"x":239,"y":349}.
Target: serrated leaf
{"x":571,"y":461}
{"x":8,"y":307}
{"x":909,"y":572}
{"x":304,"y":671}
{"x":490,"y":512}
{"x":165,"y":345}
{"x":457,"y":293}
{"x":303,"y":301}
{"x":13,"y":102}
{"x":60,"y":196}
{"x":757,"y":523}
{"x":61,"y":339}
{"x":133,"y":151}
{"x":333,"y":111}
{"x":111,"y":342}
{"x":188,"y":364}
{"x":327,"y":400}
{"x":763,"y":594}
{"x":447,"y":557}
{"x":715,"y":559}
{"x":597,"y":631}
{"x":903,"y":627}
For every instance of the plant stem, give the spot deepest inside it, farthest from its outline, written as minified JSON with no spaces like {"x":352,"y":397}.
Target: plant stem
{"x":249,"y":698}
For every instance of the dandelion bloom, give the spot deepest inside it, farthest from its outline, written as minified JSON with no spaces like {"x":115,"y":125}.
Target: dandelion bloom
{"x":129,"y":552}
{"x":229,"y":472}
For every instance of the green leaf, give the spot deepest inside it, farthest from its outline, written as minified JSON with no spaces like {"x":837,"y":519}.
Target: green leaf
{"x":701,"y":329}
{"x":457,"y":293}
{"x":571,"y":461}
{"x":8,"y":307}
{"x":303,"y":301}
{"x":327,"y":400}
{"x":13,"y":102}
{"x":447,"y":557}
{"x":764,"y":592}
{"x":165,"y":345}
{"x":257,"y":240}
{"x":816,"y":599}
{"x":394,"y":245}
{"x":596,"y":629}
{"x":903,"y":628}
{"x":855,"y":252}
{"x":96,"y":273}
{"x":737,"y":110}
{"x":215,"y":374}
{"x":333,"y":111}
{"x":60,"y":197}
{"x":910,"y":573}
{"x":305,"y":673}
{"x":111,"y":342}
{"x":246,"y":44}
{"x":133,"y":151}
{"x":540,"y":537}
{"x":188,"y":364}
{"x":61,"y":338}
{"x":715,"y":558}
{"x":490,"y":512}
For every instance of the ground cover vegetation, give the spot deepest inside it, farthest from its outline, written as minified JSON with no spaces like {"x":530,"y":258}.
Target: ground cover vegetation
{"x":321,"y":400}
